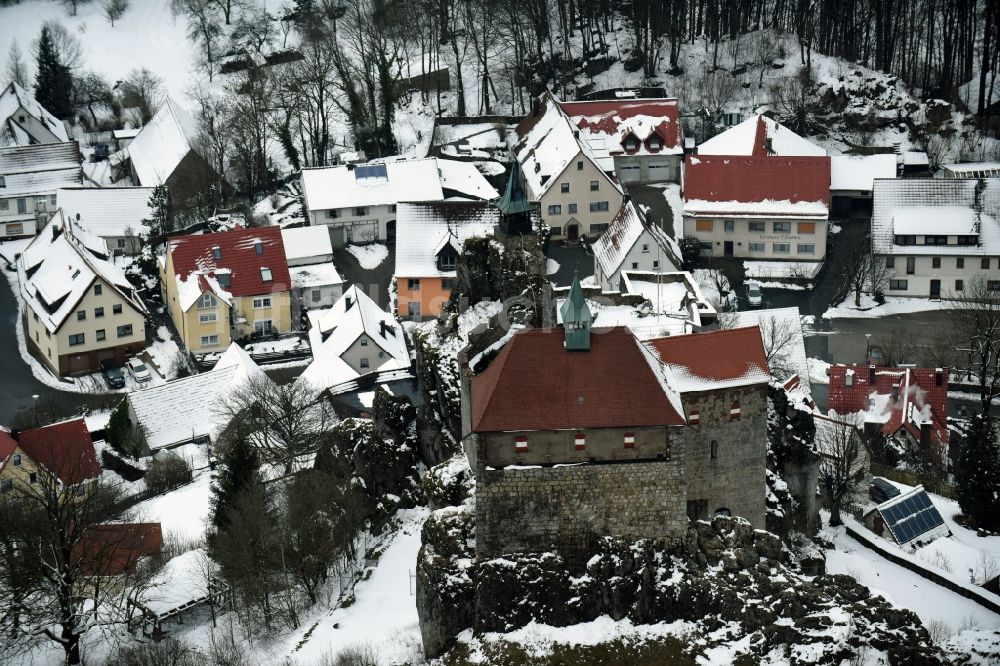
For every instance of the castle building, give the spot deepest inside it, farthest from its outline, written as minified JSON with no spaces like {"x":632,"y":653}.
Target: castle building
{"x":583,"y":432}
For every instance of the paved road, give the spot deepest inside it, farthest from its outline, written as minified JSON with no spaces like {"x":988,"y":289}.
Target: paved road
{"x":374,"y":282}
{"x":652,"y":198}
{"x":573,"y":259}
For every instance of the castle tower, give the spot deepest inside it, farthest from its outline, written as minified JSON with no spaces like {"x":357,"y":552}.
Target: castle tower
{"x":576,"y":319}
{"x":515,"y":209}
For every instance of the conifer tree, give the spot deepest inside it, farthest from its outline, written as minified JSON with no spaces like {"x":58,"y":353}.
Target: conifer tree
{"x":238,"y":472}
{"x":53,"y":82}
{"x":978,"y":474}
{"x":161,"y":220}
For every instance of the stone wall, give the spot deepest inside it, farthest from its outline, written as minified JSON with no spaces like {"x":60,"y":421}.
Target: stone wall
{"x":548,"y":447}
{"x":568,"y":508}
{"x":733,"y":478}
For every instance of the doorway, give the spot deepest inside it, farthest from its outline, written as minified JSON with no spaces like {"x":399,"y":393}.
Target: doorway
{"x":935,"y":288}
{"x":573,"y":231}
{"x":728,"y":248}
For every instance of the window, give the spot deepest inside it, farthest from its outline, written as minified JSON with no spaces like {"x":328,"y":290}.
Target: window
{"x":263,"y":327}
{"x":984,"y":263}
{"x":556,"y":230}
{"x":897,"y":285}
{"x":98,"y":313}
{"x":76,"y":339}
{"x":265,"y":274}
{"x":392,"y":208}
{"x":22,"y":206}
{"x":594,"y":186}
{"x":225,"y":279}
{"x":656,"y":264}
{"x":598,"y":228}
{"x":911,"y":265}
{"x":364,"y":363}
{"x":782,"y":248}
{"x":98,"y":290}
{"x":703,"y":225}
{"x":33,"y":477}
{"x":120,"y":243}
{"x":654,"y":143}
{"x":331,"y":215}
{"x":81,"y":315}
{"x":645,"y":247}
{"x":713,"y":450}
{"x":631,"y":143}
{"x":729,"y":225}
{"x":564,"y":187}
{"x":360,"y":211}
{"x":364,"y":342}
{"x":635,"y":265}
{"x":100,"y":334}
{"x":207,"y":317}
{"x":757,"y":247}
{"x":79,"y":490}
{"x":413,"y":284}
{"x":890,"y":262}
{"x":579,"y":165}
{"x":935,"y":240}
{"x":906,"y":240}
{"x":755,"y":226}
{"x":53,"y":199}
{"x":959,"y":285}
{"x":447,"y":262}
{"x":935,"y":262}
{"x":413,"y":308}
{"x":572,"y":208}
{"x":960,"y":262}
{"x":261,"y":303}
{"x":967,"y":240}
{"x":4,"y":204}
{"x":258,"y":248}
{"x":598,"y":206}
{"x":317,"y":295}
{"x":993,"y":285}
{"x":555,"y":210}
{"x":217,"y":252}
{"x":807,"y":227}
{"x":3,"y":182}
{"x":17,"y":460}
{"x":125,"y":331}
{"x":447,"y":283}
{"x":15,"y":229}
{"x":35,"y":316}
{"x":209,"y":340}
{"x":782,"y":227}
{"x":6,"y":485}
{"x":806,"y":248}
{"x":207,"y":300}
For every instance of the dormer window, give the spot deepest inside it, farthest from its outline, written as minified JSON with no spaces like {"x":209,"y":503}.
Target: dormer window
{"x":207,"y":300}
{"x":217,"y":252}
{"x":258,"y":248}
{"x":265,"y":274}
{"x":447,"y":262}
{"x":225,"y":280}
{"x":631,"y":143}
{"x":3,"y":182}
{"x":655,"y":143}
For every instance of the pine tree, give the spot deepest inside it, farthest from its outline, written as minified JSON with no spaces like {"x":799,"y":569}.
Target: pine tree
{"x":160,"y":222}
{"x":238,"y":472}
{"x":53,"y":83}
{"x":978,"y":474}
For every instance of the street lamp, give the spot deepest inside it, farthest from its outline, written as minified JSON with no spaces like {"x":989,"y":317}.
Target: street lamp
{"x":35,"y":397}
{"x":868,"y":347}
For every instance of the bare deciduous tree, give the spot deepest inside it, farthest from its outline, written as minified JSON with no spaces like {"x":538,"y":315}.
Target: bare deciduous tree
{"x":113,"y":9}
{"x":202,"y":28}
{"x":977,"y":318}
{"x":142,"y":89}
{"x":779,"y":337}
{"x":17,"y":67}
{"x":844,"y":462}
{"x":898,"y":347}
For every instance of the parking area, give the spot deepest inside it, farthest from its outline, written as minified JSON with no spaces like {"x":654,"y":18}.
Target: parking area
{"x":573,"y":259}
{"x":373,"y":281}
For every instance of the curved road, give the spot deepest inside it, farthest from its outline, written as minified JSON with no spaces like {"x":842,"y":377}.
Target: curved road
{"x":17,"y":384}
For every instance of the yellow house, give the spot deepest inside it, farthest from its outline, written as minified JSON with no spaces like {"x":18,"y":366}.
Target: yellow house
{"x":61,"y":453}
{"x":225,"y":286}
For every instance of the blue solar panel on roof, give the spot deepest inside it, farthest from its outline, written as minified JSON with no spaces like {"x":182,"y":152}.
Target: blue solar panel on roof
{"x":911,"y":517}
{"x":370,"y":171}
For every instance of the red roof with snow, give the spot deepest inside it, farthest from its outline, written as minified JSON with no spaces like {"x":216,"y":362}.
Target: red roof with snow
{"x":115,"y":548}
{"x":732,"y":357}
{"x":193,"y":254}
{"x":731,"y":178}
{"x":619,"y":118}
{"x":534,"y":383}
{"x":64,"y":449}
{"x":922,"y":394}
{"x":7,"y":446}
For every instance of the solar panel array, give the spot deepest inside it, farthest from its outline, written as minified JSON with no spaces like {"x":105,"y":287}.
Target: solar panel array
{"x":363,"y":172}
{"x":911,"y":517}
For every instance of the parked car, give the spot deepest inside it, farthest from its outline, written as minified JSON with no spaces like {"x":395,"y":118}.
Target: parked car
{"x":754,"y":295}
{"x":876,"y":357}
{"x":113,"y":374}
{"x":138,"y":370}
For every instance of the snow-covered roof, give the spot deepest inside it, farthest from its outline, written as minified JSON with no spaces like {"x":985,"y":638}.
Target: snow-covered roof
{"x":464,"y":179}
{"x":162,"y":143}
{"x":915,"y":158}
{"x":746,"y":139}
{"x":624,"y":231}
{"x":422,"y":229}
{"x":14,"y":132}
{"x":715,"y":360}
{"x":936,"y":206}
{"x":974,"y":169}
{"x":350,"y":186}
{"x":188,"y":408}
{"x":606,"y":124}
{"x":858,"y":172}
{"x":335,"y":330}
{"x":127,"y":133}
{"x":58,"y":267}
{"x":783,"y":319}
{"x":40,"y":169}
{"x":315,"y":275}
{"x":107,"y":211}
{"x":671,"y":292}
{"x":303,"y":243}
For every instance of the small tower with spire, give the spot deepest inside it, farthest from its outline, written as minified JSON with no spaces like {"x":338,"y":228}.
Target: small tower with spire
{"x":515,"y":209}
{"x":576,"y":319}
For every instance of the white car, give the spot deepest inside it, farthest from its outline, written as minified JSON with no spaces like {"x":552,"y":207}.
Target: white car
{"x":754,"y":295}
{"x":138,"y":370}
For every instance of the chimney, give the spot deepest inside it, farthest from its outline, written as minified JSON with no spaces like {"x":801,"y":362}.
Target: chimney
{"x":536,"y":106}
{"x":56,"y":230}
{"x":925,"y":435}
{"x":348,"y":302}
{"x":895,"y":391}
{"x":848,"y":378}
{"x":15,"y":434}
{"x":381,"y":328}
{"x":938,"y":377}
{"x":871,"y":375}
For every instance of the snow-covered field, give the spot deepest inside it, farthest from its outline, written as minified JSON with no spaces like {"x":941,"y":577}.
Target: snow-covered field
{"x":369,"y":256}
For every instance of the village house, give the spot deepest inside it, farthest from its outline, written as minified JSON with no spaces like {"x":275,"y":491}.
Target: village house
{"x":164,"y":152}
{"x":79,"y":309}
{"x":758,"y":133}
{"x":852,"y":180}
{"x":576,"y":194}
{"x":25,"y":122}
{"x":587,"y":433}
{"x":632,"y":242}
{"x":908,"y":407}
{"x":353,"y":339}
{"x":60,"y":455}
{"x":110,"y":550}
{"x":186,"y":410}
{"x":643,"y":137}
{"x":937,"y":236}
{"x":119,"y":215}
{"x":227,"y":286}
{"x":758,"y":207}
{"x":30,"y":176}
{"x":315,"y":280}
{"x":358,"y":202}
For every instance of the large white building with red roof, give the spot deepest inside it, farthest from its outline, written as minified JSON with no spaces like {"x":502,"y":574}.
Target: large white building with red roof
{"x":227,"y":285}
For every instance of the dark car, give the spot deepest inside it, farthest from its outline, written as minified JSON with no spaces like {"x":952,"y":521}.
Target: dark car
{"x":113,"y":374}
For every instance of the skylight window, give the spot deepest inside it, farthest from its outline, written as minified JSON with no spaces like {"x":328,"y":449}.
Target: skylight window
{"x":265,"y":274}
{"x":217,"y":252}
{"x":258,"y":248}
{"x":224,"y":279}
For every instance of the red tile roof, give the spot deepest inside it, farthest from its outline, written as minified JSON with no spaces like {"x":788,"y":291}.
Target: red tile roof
{"x":535,"y":384}
{"x":918,"y":388}
{"x":115,"y":548}
{"x":64,"y":449}
{"x":7,"y":446}
{"x":754,"y":179}
{"x":606,"y":116}
{"x":194,"y":253}
{"x":729,"y":357}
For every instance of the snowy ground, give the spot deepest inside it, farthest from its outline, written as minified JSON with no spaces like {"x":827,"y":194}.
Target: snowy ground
{"x":369,"y":256}
{"x":282,"y":345}
{"x":551,"y":266}
{"x":183,"y":513}
{"x":893,"y":305}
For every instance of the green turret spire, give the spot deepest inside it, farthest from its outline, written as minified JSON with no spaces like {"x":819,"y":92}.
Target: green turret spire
{"x":514,"y":201}
{"x":576,"y":319}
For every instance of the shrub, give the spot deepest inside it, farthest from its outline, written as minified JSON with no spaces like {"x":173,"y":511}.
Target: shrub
{"x":166,"y":471}
{"x":170,"y":652}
